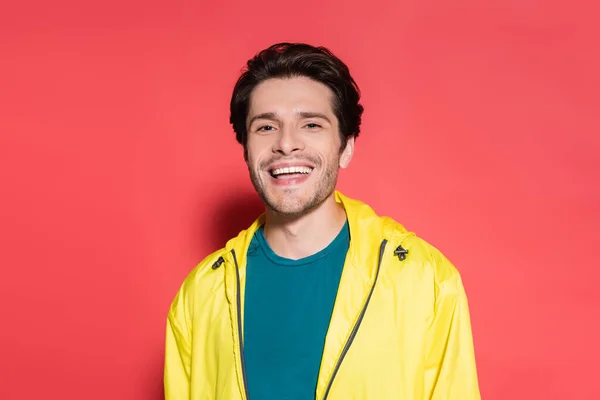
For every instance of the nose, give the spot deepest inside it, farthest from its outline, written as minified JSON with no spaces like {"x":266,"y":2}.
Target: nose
{"x":288,"y":141}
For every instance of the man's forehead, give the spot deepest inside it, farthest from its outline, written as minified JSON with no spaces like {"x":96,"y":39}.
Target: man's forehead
{"x":293,"y":96}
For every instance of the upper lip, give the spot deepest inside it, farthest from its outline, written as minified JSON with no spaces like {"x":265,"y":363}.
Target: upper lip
{"x":289,"y":164}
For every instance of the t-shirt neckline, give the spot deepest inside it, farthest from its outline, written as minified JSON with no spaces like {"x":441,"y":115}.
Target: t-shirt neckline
{"x":341,"y":238}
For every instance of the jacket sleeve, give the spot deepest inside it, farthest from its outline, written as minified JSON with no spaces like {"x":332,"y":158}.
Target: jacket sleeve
{"x":177,"y":353}
{"x":451,"y":372}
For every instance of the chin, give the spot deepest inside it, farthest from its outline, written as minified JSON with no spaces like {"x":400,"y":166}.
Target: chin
{"x":295,"y":204}
{"x":290,"y":204}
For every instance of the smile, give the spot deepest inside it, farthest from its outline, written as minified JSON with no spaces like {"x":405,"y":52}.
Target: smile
{"x":290,"y":171}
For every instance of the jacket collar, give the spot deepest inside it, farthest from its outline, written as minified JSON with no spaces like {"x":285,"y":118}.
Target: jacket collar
{"x":367,"y":230}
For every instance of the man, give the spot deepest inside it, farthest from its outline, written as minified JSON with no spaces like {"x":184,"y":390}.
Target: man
{"x":320,"y":298}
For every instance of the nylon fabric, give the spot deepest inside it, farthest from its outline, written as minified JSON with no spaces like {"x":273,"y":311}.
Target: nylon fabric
{"x":414,"y":340}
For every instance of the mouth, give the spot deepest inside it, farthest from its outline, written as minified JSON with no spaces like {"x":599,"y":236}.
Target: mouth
{"x":291,"y":173}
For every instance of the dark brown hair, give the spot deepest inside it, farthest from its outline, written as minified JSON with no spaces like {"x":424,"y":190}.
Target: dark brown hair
{"x":286,"y":60}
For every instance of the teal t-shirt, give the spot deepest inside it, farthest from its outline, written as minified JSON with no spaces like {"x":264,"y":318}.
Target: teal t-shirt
{"x":288,"y":305}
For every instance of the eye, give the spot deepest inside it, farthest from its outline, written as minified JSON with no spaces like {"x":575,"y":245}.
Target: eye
{"x":312,"y":125}
{"x":265,"y":128}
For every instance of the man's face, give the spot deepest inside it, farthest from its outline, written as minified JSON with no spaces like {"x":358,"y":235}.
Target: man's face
{"x":293,"y":145}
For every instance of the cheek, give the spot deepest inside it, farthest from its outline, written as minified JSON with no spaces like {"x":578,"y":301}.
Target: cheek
{"x":331,"y":147}
{"x":256,"y":149}
{"x":332,"y":152}
{"x":254,"y":158}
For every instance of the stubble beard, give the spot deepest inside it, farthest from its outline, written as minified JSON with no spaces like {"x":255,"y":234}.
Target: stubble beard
{"x":290,"y":206}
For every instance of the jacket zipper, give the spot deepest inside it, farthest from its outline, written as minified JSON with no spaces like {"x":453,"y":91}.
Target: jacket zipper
{"x":358,"y":322}
{"x":239,"y":322}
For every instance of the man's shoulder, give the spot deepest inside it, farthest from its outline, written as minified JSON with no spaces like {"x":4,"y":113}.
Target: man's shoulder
{"x":208,"y":274}
{"x":204,"y":269}
{"x":201,"y":280}
{"x":418,"y":254}
{"x":412,"y":250}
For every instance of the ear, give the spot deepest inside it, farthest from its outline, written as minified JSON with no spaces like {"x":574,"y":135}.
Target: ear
{"x":347,"y":153}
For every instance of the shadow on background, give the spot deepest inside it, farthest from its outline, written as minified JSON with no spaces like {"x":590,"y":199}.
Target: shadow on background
{"x":155,"y":390}
{"x":235,"y":213}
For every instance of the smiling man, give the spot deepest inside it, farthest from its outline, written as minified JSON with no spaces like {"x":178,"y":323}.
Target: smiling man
{"x":320,"y":298}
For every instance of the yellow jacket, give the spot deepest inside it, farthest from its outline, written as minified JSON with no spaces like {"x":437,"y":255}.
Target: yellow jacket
{"x":400,"y":327}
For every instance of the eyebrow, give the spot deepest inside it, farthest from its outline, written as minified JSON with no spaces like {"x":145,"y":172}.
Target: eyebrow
{"x":267,"y":115}
{"x":309,"y":114}
{"x":304,"y":114}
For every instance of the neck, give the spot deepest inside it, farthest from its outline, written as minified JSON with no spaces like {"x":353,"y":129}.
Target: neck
{"x":308,"y":234}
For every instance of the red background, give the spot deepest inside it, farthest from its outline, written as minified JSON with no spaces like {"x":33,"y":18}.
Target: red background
{"x":119,"y":172}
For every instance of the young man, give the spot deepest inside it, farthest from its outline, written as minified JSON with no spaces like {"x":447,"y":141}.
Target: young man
{"x":320,"y":298}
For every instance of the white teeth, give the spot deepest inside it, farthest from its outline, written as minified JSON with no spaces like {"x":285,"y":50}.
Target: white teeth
{"x":291,"y":170}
